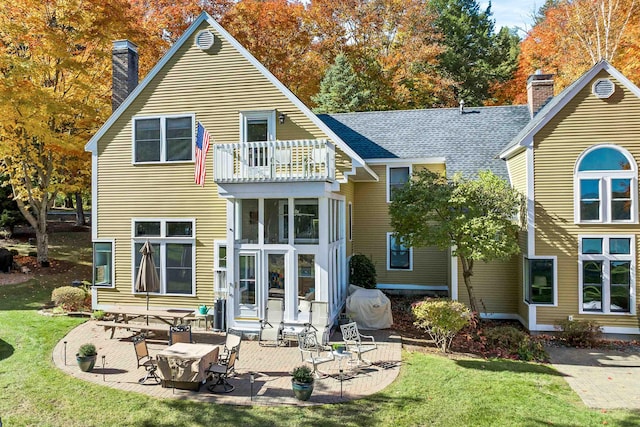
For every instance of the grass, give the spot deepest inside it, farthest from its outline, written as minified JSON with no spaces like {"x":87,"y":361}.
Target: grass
{"x":431,"y":390}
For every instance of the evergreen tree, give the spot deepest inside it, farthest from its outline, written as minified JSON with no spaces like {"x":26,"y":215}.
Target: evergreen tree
{"x":10,"y":216}
{"x":475,"y":57}
{"x":341,"y":89}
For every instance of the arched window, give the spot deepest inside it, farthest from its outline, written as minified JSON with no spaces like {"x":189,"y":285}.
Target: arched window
{"x":605,"y":187}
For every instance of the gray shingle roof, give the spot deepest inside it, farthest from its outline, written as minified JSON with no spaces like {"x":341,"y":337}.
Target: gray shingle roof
{"x":469,"y":142}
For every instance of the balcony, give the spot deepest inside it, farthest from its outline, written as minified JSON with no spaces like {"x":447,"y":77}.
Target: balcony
{"x":274,"y":161}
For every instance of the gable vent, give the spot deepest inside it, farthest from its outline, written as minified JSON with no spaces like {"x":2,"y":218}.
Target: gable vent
{"x":205,"y":39}
{"x":603,"y":88}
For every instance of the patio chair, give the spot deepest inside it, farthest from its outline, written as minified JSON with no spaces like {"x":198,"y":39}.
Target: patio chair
{"x":271,"y":326}
{"x":232,"y":343}
{"x":319,"y":321}
{"x":143,"y":358}
{"x":180,"y":333}
{"x":220,"y":372}
{"x":312,"y":352}
{"x":353,"y":341}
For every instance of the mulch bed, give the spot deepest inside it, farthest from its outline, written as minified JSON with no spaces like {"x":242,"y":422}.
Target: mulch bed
{"x":471,"y":342}
{"x":31,"y":262}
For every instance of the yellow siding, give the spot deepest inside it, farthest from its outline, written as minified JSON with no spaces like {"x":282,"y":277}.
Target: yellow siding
{"x":523,"y":308}
{"x":517,"y":166}
{"x":217,"y":86}
{"x":371,"y":224}
{"x":495,"y":285}
{"x":585,"y":121}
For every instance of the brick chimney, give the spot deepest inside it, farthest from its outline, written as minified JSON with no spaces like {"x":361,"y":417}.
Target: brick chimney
{"x":125,"y":71}
{"x":539,"y":91}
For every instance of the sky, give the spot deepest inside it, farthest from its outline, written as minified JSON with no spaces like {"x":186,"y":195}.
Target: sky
{"x":513,"y":13}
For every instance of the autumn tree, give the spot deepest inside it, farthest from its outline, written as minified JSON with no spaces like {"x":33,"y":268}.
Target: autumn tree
{"x":569,"y":37}
{"x":472,"y":216}
{"x":54,"y":92}
{"x":393,"y":45}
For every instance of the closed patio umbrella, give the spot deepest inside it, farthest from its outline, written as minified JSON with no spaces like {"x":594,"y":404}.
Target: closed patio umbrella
{"x":147,"y":279}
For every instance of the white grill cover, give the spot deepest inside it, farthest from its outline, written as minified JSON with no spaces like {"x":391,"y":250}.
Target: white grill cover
{"x":370,"y":308}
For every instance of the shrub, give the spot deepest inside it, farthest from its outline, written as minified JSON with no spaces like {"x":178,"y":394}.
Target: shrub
{"x":362,"y":271}
{"x":302,"y":374}
{"x":442,"y":319}
{"x":98,"y":314}
{"x":516,"y":342}
{"x":579,"y":333}
{"x":68,"y":297}
{"x":87,"y":350}
{"x":508,"y":337}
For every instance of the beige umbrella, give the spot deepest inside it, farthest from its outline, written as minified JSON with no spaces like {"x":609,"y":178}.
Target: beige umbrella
{"x":147,"y":279}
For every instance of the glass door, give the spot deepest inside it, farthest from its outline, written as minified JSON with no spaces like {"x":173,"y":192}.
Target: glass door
{"x":276,"y":274}
{"x":247,"y":287}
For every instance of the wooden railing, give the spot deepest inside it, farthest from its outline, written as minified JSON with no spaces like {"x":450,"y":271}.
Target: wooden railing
{"x":274,"y":161}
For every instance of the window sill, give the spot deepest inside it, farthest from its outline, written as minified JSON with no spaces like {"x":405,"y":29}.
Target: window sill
{"x":155,"y":163}
{"x":611,"y":313}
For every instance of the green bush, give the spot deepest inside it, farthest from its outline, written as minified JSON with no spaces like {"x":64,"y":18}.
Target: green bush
{"x":442,"y":319}
{"x":579,"y":333}
{"x":362,"y":271}
{"x":87,"y":350}
{"x":302,"y":374}
{"x":516,"y":342}
{"x":508,"y":337}
{"x":68,"y":297}
{"x":98,"y":314}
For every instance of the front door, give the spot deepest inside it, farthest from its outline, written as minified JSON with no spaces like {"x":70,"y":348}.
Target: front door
{"x":248,"y":293}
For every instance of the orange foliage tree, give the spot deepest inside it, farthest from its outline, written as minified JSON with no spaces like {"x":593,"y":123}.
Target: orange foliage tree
{"x":54,"y":93}
{"x":572,"y":36}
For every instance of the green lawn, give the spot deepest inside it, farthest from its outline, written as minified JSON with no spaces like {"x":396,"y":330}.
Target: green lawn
{"x":431,"y":390}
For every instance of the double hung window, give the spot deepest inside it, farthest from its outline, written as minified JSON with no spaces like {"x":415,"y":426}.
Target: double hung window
{"x":163,"y":139}
{"x":399,"y":257}
{"x":173,"y":243}
{"x":397,"y":177}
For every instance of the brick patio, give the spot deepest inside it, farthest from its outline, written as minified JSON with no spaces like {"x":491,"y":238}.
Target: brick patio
{"x":271,"y":365}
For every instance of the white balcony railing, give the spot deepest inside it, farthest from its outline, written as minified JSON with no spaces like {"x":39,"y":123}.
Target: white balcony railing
{"x":274,"y":161}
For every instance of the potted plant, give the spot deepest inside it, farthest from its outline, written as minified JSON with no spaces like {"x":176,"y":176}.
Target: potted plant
{"x":86,"y":357}
{"x":302,"y":382}
{"x":338,"y":348}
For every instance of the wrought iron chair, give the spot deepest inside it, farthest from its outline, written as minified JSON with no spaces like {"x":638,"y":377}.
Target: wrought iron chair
{"x":143,"y":358}
{"x":353,"y":341}
{"x":180,"y":333}
{"x":312,"y":352}
{"x":220,"y":372}
{"x":271,"y":326}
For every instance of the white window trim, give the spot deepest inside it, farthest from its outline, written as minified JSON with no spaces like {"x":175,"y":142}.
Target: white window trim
{"x":389,"y":234}
{"x":163,"y":139}
{"x":605,"y":177}
{"x":216,"y":254}
{"x":396,"y":166}
{"x":555,"y":279}
{"x":162,"y":240}
{"x":113,"y":263}
{"x":606,"y":284}
{"x":268,"y":115}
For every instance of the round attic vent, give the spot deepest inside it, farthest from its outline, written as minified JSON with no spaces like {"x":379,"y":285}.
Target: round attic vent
{"x":205,"y":39}
{"x":603,"y":88}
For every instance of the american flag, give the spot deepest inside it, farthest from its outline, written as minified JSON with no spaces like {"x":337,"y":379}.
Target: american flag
{"x":202,"y":147}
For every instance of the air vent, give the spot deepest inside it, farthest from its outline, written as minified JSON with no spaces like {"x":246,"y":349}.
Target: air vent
{"x":603,"y":88}
{"x":205,"y":39}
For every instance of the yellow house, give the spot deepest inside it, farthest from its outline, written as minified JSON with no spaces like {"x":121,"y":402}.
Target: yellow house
{"x":576,"y":163}
{"x":289,"y":196}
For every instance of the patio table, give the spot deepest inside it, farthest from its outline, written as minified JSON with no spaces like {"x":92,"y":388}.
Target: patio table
{"x":183,"y":365}
{"x":123,"y":314}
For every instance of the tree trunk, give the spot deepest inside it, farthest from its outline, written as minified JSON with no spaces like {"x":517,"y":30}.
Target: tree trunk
{"x":42,"y":242}
{"x":467,"y":272}
{"x":80,"y":219}
{"x":68,"y":202}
